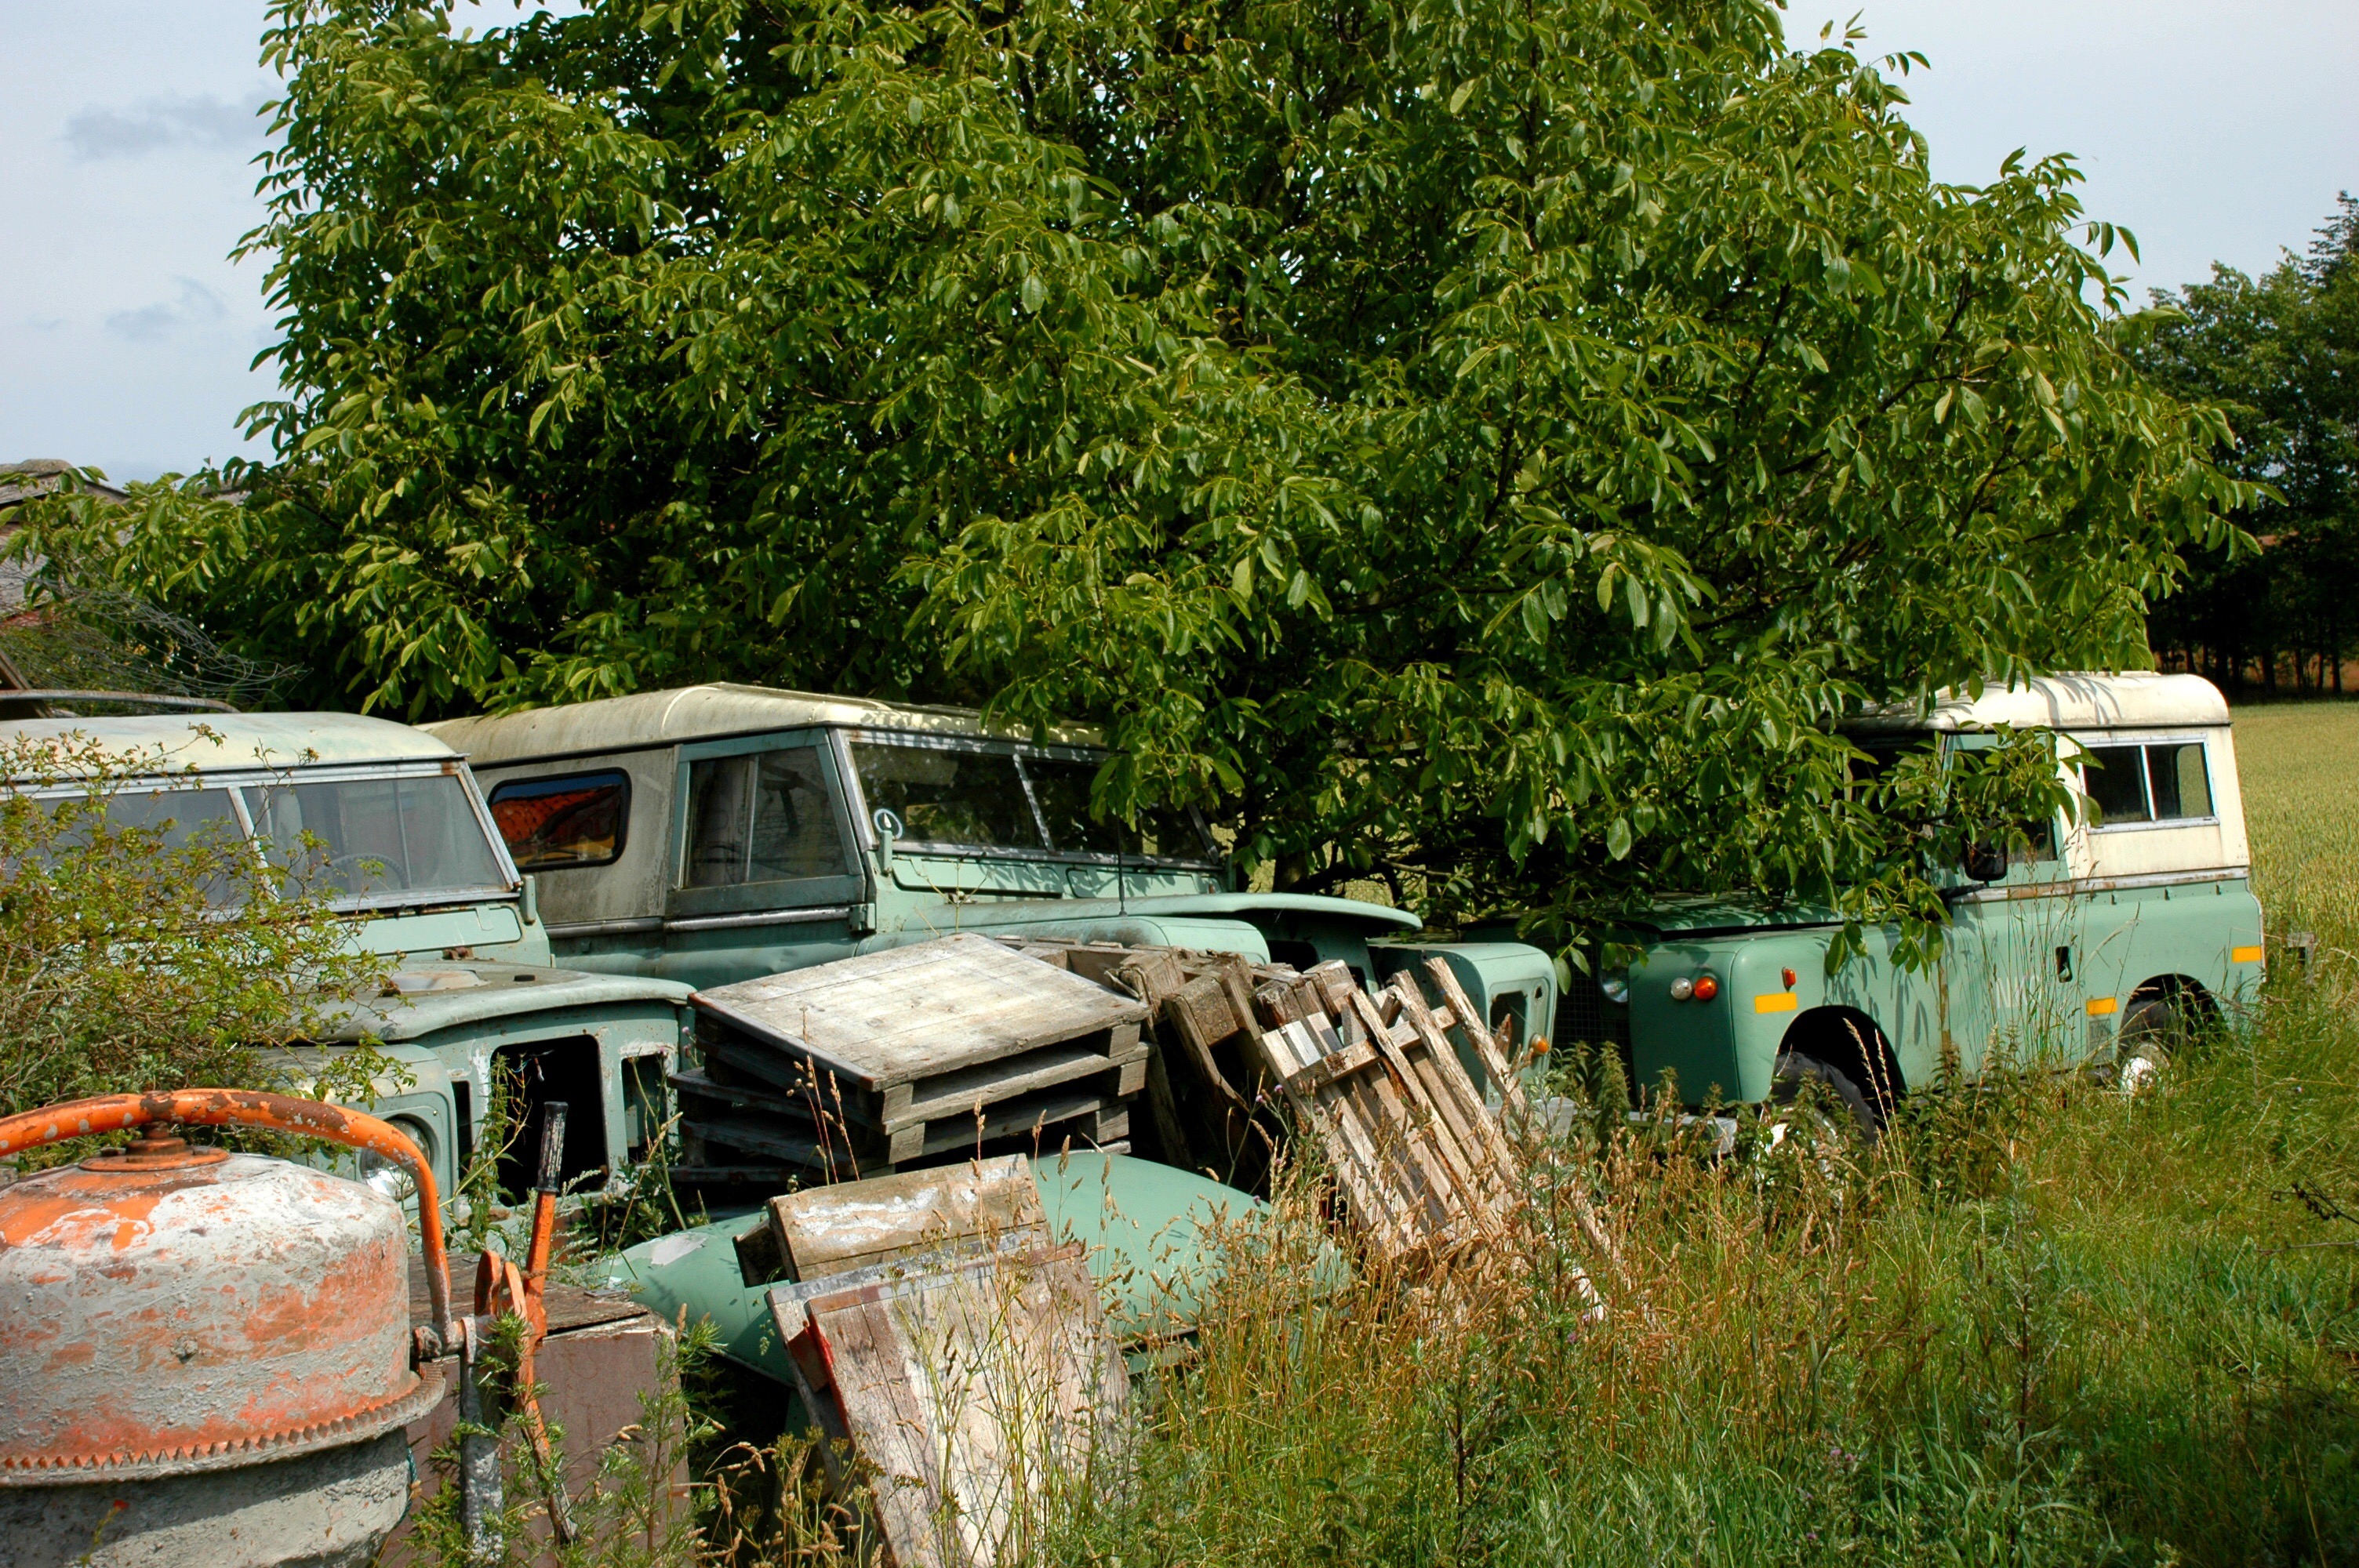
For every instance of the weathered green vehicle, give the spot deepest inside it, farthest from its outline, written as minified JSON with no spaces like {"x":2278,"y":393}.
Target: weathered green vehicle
{"x":2121,"y":923}
{"x":410,"y":849}
{"x":716,"y":833}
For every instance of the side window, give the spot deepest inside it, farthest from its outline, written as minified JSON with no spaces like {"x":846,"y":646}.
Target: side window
{"x":2180,"y":783}
{"x":2165,"y":782}
{"x":2116,"y":783}
{"x":761,"y":817}
{"x":579,"y":819}
{"x":946,"y":794}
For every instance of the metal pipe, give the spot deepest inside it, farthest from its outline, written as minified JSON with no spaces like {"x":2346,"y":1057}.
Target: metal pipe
{"x":251,"y":1108}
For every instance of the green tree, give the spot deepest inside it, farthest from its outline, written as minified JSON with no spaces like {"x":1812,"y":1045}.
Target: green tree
{"x":1480,"y":446}
{"x":2281,"y":352}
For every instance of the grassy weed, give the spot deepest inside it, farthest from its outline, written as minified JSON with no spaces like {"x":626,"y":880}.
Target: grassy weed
{"x":2042,"y":1323}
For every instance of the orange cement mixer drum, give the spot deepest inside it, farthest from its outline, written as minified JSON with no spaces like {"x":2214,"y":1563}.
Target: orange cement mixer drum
{"x":170,"y":1309}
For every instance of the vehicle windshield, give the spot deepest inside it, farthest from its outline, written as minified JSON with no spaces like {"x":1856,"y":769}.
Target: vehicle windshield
{"x":1061,"y":785}
{"x":1002,"y":800}
{"x":379,"y":838}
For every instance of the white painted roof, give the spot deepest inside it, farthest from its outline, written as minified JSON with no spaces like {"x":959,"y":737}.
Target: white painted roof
{"x":696,"y":713}
{"x":2139,"y":700}
{"x":221,"y":742}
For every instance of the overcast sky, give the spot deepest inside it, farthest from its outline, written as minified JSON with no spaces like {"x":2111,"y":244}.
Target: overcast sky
{"x":2214,"y":130}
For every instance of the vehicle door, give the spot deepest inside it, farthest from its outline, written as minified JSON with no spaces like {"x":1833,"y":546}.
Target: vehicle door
{"x":2014,"y":970}
{"x":763,"y":844}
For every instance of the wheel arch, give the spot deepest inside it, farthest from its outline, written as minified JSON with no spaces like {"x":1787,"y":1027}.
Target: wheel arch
{"x":1851,"y":1041}
{"x":2176,"y":989}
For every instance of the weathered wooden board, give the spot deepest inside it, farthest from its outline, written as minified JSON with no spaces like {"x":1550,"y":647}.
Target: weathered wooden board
{"x":826,"y":1231}
{"x":889,"y":1019}
{"x":979,"y":1397}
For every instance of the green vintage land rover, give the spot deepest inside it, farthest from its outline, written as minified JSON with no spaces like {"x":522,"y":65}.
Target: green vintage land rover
{"x":716,"y":833}
{"x":2123,"y":922}
{"x":473,"y":992}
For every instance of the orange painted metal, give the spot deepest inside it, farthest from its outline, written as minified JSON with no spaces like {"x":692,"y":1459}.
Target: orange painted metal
{"x":174,"y":1310}
{"x":249,"y":1107}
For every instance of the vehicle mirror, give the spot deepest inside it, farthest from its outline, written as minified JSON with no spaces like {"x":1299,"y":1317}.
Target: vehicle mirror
{"x":888,"y":828}
{"x":1986,"y":863}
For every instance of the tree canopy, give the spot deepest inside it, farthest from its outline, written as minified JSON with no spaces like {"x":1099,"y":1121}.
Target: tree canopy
{"x":1480,"y":446}
{"x":2280,"y":353}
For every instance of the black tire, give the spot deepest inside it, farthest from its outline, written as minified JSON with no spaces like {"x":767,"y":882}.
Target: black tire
{"x":2151,"y":1030}
{"x":1793,"y":1070}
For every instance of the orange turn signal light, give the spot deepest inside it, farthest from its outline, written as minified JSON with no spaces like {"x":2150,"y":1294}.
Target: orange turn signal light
{"x":1706,"y":988}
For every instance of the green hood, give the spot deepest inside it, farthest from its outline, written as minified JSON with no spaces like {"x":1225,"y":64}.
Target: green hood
{"x":1150,"y":1230}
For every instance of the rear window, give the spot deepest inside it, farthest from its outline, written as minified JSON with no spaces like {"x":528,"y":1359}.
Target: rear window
{"x":2167,"y":781}
{"x":579,"y":819}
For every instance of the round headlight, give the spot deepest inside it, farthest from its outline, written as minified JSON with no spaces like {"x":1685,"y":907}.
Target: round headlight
{"x":1616,"y":987}
{"x":390,"y":1177}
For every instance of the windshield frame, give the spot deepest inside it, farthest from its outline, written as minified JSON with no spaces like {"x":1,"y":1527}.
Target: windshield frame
{"x":843,"y":737}
{"x":237,"y":780}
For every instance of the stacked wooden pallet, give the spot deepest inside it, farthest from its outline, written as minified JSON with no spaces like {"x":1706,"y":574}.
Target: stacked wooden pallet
{"x":908,"y":1057}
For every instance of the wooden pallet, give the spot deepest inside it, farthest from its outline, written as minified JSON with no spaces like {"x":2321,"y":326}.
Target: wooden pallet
{"x":1423,"y":1165}
{"x":911,"y":1054}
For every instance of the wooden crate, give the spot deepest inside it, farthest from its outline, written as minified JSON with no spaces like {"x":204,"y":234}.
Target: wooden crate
{"x":908,"y":1055}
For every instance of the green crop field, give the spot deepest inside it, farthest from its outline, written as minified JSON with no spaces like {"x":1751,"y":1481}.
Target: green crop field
{"x":2301,"y":768}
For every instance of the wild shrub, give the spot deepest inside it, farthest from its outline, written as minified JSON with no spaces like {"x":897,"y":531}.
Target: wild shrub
{"x":143,"y":948}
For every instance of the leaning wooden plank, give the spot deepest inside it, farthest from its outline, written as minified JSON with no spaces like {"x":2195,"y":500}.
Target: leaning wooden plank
{"x":1486,"y":1045}
{"x":979,"y":1397}
{"x":1374,"y":1191}
{"x":1450,"y":1178}
{"x":1453,"y":1093}
{"x":904,"y":1013}
{"x":825,"y":1230}
{"x":1426,"y":1198}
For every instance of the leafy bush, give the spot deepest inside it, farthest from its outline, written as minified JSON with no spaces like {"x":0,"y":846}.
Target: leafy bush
{"x":141,"y":948}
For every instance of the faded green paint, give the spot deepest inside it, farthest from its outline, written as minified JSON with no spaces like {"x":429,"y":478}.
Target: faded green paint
{"x":636,"y":914}
{"x":2042,"y":962}
{"x":1153,"y":1234}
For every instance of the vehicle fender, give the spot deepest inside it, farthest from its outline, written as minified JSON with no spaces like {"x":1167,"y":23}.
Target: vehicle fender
{"x":1151,"y":1231}
{"x":415,"y":1095}
{"x":1729,"y":1044}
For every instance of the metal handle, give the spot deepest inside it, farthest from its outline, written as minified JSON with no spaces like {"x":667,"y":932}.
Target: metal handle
{"x":251,"y":1108}
{"x":552,"y":1147}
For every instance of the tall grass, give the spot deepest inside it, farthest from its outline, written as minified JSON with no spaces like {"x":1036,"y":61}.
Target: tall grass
{"x":2042,"y":1323}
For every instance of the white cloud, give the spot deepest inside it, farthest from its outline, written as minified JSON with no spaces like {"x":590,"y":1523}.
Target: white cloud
{"x":207,"y":122}
{"x":196,"y":307}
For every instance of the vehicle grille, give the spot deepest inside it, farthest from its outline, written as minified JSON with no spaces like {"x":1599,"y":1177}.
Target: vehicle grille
{"x":1583,"y":1013}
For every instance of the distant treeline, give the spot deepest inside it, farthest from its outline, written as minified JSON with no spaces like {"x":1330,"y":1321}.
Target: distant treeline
{"x":2282,"y":351}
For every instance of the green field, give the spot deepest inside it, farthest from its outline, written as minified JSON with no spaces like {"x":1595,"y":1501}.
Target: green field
{"x":2299,"y":763}
{"x":2045,"y":1324}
